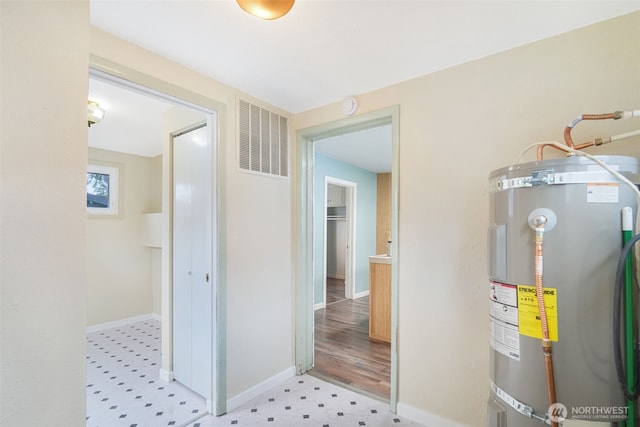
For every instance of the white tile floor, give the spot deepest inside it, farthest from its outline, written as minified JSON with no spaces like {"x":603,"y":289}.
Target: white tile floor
{"x":123,"y":389}
{"x":308,"y":401}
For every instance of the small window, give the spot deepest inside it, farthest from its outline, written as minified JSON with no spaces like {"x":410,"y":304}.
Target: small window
{"x":102,"y":189}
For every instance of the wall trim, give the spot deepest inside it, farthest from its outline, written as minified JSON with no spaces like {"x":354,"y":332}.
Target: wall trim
{"x":166,"y":376}
{"x":424,"y":417}
{"x":319,"y":306}
{"x":255,"y":391}
{"x":122,"y":322}
{"x":361,"y":294}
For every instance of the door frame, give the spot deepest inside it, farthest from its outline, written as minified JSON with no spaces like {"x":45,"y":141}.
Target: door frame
{"x":123,"y":76}
{"x":304,"y":268}
{"x":350,"y":256}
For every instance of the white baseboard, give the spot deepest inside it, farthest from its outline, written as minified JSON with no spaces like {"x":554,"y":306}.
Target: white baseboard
{"x":361,"y":294}
{"x":424,"y":417}
{"x":122,"y":322}
{"x":255,"y":391}
{"x":319,"y":305}
{"x":166,"y":376}
{"x":335,"y":276}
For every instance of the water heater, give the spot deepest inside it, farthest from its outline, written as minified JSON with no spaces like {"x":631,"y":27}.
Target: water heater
{"x":581,"y":202}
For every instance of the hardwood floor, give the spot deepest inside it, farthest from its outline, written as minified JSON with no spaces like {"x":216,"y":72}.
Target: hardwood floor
{"x":335,"y":290}
{"x":343,"y":351}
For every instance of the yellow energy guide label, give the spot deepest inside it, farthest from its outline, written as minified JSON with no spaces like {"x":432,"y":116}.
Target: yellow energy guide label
{"x":529,"y":323}
{"x":513,"y":312}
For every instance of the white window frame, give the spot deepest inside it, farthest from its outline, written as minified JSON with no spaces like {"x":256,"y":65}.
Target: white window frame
{"x":114,"y":189}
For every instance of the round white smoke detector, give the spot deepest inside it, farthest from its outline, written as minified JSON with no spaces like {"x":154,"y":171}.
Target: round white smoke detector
{"x":349,"y":106}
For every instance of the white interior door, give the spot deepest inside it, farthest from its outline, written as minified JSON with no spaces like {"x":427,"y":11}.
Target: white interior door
{"x":192,"y":261}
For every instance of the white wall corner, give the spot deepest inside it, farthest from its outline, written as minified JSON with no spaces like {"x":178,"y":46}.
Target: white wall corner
{"x":423,"y":417}
{"x":255,"y":391}
{"x":166,"y":376}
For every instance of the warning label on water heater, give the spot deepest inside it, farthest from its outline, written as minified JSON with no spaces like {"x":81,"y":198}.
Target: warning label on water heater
{"x":513,"y":311}
{"x":605,"y":192}
{"x":503,"y":319}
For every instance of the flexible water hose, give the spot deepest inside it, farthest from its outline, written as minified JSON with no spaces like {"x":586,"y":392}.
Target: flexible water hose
{"x":629,"y":315}
{"x":540,"y":222}
{"x":631,"y":391}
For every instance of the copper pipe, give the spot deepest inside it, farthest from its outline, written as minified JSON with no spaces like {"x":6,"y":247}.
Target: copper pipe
{"x":567,"y":130}
{"x":541,"y":147}
{"x":585,"y":145}
{"x":551,"y":384}
{"x":540,"y":222}
{"x":539,"y":286}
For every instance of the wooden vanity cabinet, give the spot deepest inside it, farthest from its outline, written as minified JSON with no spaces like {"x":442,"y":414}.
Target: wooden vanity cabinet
{"x":380,"y":301}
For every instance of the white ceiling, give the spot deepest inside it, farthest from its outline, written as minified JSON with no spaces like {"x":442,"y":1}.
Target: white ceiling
{"x":319,"y":53}
{"x":132,"y":122}
{"x":326,"y":50}
{"x":368,"y":149}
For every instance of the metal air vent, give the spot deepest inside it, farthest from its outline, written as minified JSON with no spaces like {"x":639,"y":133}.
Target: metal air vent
{"x":263,"y":142}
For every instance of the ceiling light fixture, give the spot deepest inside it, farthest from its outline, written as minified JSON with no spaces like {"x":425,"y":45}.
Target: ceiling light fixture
{"x":95,"y":114}
{"x":266,"y":9}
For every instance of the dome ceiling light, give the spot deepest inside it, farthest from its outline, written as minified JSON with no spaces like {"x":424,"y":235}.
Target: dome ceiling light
{"x":95,"y":114}
{"x":266,"y":9}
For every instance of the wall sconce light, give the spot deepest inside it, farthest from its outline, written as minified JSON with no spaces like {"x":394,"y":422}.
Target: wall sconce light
{"x":95,"y":114}
{"x":266,"y":9}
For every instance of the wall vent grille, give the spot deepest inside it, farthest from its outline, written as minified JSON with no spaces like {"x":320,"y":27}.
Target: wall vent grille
{"x":263,"y":140}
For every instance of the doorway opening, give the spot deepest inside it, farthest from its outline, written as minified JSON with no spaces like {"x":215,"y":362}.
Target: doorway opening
{"x":314,"y":313}
{"x":339,"y":240}
{"x":197,"y":110}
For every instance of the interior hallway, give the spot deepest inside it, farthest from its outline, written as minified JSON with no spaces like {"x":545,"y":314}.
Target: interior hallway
{"x":343,"y":351}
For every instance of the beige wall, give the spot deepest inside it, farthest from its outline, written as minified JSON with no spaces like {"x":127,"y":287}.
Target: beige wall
{"x":117,"y":293}
{"x":456,"y":126}
{"x":156,"y":253}
{"x":43,"y":220}
{"x":156,"y":184}
{"x":257,"y":222}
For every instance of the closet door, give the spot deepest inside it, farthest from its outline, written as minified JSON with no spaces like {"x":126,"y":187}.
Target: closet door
{"x":192,"y":261}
